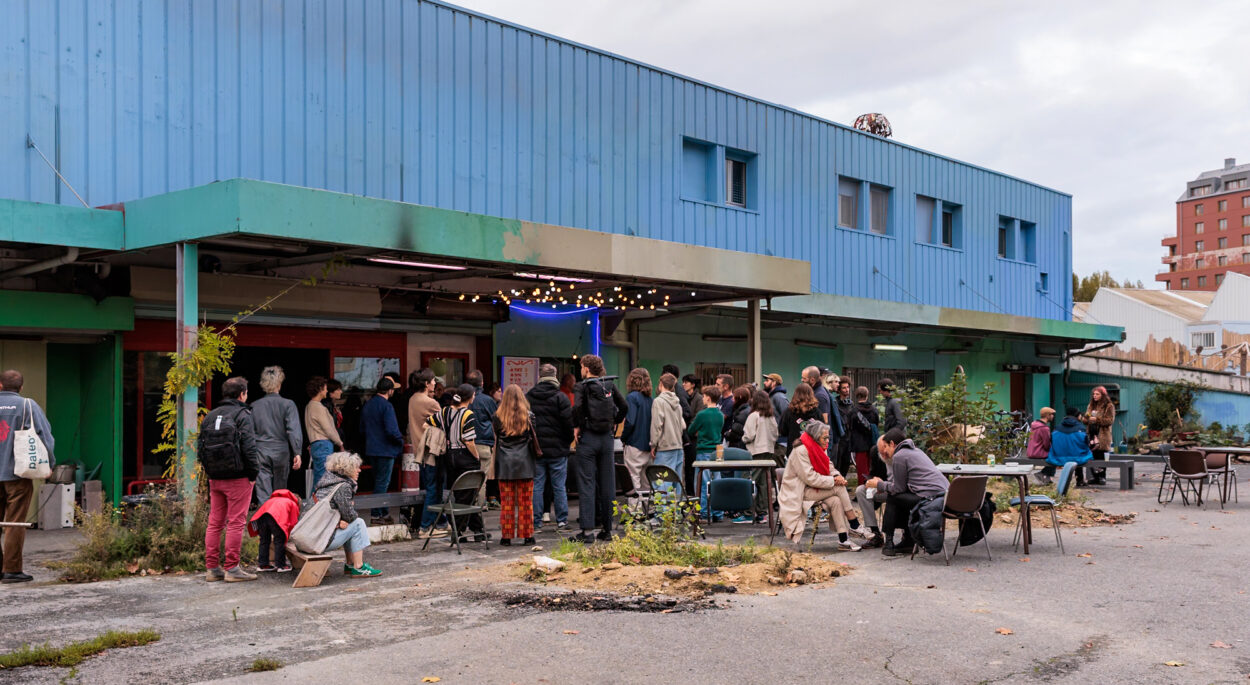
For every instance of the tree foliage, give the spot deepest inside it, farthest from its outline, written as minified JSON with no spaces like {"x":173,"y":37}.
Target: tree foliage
{"x":1170,"y":405}
{"x":1084,"y":289}
{"x":952,"y":424}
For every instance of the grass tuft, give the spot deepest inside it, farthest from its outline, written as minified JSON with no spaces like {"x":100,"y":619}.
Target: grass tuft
{"x":265,"y":665}
{"x":74,"y":653}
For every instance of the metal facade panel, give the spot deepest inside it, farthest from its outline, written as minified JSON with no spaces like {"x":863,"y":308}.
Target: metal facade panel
{"x":420,"y":102}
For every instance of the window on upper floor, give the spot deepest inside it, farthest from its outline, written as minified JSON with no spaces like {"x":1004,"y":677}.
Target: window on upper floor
{"x":939,"y":222}
{"x":1202,"y":281}
{"x":1245,"y":221}
{"x":1219,"y":278}
{"x":735,"y":182}
{"x":1221,"y":243}
{"x":1198,"y":209}
{"x":1028,"y":241}
{"x":1221,"y":205}
{"x":1200,"y":263}
{"x":1245,"y":240}
{"x":698,"y":181}
{"x":1199,"y":246}
{"x":1245,"y":257}
{"x":1172,"y":266}
{"x":1184,"y":284}
{"x":1223,"y":224}
{"x":1202,"y":339}
{"x":1245,"y":202}
{"x":1006,"y":241}
{"x":1222,"y":260}
{"x":848,"y":202}
{"x":1171,"y":250}
{"x":1043,"y":282}
{"x":1235,"y":184}
{"x":1200,"y":227}
{"x":1199,"y":191}
{"x":879,"y":209}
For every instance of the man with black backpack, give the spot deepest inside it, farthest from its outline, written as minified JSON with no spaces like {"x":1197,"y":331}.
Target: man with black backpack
{"x":598,"y":408}
{"x":227,"y":452}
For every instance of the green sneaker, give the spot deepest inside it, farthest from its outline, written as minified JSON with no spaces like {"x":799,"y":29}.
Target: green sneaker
{"x":365,"y":571}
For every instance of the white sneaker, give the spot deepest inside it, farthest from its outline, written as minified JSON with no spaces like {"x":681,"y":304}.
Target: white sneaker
{"x":848,"y":546}
{"x":546,"y":517}
{"x":861,"y":534}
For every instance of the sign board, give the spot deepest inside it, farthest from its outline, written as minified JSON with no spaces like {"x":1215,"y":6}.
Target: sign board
{"x":522,"y":371}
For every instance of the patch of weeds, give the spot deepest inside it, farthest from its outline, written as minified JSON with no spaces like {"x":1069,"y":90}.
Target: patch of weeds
{"x":265,"y":665}
{"x":74,"y":653}
{"x":783,"y":562}
{"x":152,"y":537}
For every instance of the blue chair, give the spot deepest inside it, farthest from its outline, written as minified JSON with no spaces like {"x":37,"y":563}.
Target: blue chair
{"x":730,"y":494}
{"x":1061,"y":490}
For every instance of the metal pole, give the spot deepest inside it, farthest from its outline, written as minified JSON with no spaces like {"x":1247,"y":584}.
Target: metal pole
{"x":187,"y":284}
{"x":754,"y":348}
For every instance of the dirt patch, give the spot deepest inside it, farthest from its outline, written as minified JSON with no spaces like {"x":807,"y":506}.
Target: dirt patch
{"x":589,"y":601}
{"x":1070,"y":516}
{"x":776,"y":570}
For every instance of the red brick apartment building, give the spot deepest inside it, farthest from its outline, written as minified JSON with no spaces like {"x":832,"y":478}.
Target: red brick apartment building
{"x":1212,"y":230}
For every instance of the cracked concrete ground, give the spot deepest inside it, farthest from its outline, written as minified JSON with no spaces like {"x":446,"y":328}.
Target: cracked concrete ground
{"x":1161,"y":589}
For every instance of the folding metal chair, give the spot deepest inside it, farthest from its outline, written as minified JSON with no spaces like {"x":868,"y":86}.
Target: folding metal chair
{"x":467,"y":481}
{"x":1062,"y":485}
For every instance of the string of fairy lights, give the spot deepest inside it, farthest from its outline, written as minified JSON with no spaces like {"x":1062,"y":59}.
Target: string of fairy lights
{"x":566,"y":294}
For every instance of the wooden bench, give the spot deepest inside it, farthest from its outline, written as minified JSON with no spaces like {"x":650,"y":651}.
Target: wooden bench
{"x":1126,"y":468}
{"x":312,"y":567}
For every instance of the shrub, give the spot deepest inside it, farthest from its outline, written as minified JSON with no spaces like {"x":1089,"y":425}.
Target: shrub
{"x":944,"y":422}
{"x":1164,"y":401}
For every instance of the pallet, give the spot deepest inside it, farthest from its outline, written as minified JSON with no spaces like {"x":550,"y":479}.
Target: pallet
{"x":312,"y":567}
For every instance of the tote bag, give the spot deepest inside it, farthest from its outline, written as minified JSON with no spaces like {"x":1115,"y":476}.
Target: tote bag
{"x":30,"y":455}
{"x":312,"y":533}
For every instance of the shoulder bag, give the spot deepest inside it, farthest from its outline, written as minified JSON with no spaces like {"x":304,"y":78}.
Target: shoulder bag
{"x":312,"y":533}
{"x":30,"y":455}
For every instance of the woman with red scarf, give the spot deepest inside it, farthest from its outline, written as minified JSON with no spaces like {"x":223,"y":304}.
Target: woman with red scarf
{"x":809,"y":477}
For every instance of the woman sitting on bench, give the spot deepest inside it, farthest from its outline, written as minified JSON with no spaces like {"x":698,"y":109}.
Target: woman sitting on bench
{"x":343,"y":468}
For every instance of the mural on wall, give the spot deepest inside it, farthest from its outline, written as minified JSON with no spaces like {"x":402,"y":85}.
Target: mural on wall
{"x":362,"y":373}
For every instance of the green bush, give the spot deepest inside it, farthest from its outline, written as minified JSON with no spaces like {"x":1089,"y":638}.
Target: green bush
{"x":935,"y":415}
{"x":1161,"y":404}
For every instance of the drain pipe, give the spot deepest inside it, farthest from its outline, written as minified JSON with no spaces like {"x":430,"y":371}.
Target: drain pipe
{"x":70,"y":256}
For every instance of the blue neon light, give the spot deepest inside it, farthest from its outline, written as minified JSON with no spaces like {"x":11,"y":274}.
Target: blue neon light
{"x":593,"y":312}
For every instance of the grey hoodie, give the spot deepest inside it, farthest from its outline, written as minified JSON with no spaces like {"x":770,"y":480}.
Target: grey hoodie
{"x":667,"y":425}
{"x":913,"y":471}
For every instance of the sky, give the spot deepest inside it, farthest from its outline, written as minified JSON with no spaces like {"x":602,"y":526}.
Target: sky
{"x":1117,"y":102}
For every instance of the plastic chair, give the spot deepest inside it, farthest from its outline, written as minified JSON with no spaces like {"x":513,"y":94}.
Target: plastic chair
{"x":964,"y":498}
{"x":1062,"y":485}
{"x":731,"y":494}
{"x":466,"y":482}
{"x":663,"y":479}
{"x":736,"y":454}
{"x":1189,"y":471}
{"x":1221,"y":474}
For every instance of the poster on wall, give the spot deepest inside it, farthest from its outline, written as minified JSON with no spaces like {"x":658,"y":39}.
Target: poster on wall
{"x":522,"y":371}
{"x":363,"y":373}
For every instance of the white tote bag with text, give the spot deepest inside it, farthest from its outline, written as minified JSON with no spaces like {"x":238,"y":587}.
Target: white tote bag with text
{"x":30,"y":455}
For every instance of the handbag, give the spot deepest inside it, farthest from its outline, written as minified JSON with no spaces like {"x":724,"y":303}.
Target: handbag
{"x":30,"y":455}
{"x":312,"y":533}
{"x":538,"y":450}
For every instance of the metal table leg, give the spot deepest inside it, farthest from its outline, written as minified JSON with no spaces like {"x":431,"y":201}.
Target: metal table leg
{"x":1026,"y":523}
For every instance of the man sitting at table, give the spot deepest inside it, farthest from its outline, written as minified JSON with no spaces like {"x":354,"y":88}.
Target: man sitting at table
{"x":913,"y":478}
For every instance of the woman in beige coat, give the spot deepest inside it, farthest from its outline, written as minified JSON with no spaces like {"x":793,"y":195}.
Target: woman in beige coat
{"x":809,"y":477}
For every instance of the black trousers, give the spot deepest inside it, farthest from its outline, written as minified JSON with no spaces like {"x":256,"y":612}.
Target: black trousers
{"x":596,"y":480}
{"x":897,"y":511}
{"x":1099,"y":475}
{"x":842,"y":462}
{"x":271,"y":537}
{"x":457,"y":462}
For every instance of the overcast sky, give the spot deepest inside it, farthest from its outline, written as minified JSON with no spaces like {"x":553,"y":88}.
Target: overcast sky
{"x":1118,"y":102}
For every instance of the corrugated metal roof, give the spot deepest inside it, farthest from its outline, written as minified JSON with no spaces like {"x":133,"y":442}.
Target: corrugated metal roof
{"x":1190,"y":305}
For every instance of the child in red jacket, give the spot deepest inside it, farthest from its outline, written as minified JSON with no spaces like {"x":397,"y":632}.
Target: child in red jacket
{"x":273,"y":521}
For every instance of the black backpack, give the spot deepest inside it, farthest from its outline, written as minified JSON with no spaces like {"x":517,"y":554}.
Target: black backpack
{"x":221,"y":452}
{"x":600,"y":406}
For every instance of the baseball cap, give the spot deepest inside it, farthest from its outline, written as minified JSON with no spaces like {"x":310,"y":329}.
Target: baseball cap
{"x":774,"y":377}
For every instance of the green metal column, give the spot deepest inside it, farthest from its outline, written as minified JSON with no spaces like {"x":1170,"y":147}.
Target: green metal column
{"x":188,"y":298}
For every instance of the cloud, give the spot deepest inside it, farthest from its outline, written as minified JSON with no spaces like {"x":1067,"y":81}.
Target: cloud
{"x":1117,"y":102}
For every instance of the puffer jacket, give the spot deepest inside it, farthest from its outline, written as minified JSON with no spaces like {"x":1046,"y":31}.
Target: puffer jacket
{"x":342,"y":502}
{"x":736,"y":425}
{"x":637,"y":430}
{"x":553,"y":418}
{"x":861,"y":434}
{"x":1069,"y":443}
{"x":667,"y":424}
{"x":926,"y":524}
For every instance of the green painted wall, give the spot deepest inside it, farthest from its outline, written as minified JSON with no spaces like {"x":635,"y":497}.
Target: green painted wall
{"x":29,"y":309}
{"x":84,"y":407}
{"x":1228,"y":408}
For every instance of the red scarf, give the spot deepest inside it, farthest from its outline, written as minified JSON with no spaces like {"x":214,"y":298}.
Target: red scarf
{"x":820,"y":460}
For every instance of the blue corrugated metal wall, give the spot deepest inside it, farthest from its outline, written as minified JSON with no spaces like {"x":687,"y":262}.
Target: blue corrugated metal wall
{"x":426,"y":103}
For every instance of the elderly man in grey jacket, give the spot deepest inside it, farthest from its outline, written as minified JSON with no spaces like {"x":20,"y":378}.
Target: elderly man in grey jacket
{"x":913,"y":478}
{"x":16,"y":413}
{"x":278,"y":435}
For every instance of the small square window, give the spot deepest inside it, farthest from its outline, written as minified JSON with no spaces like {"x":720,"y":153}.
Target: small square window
{"x":1223,"y":223}
{"x":1043,"y":282}
{"x":1222,"y":243}
{"x":1221,"y":205}
{"x":1199,"y":246}
{"x":1245,"y":257}
{"x":1202,"y":281}
{"x":736,"y":182}
{"x":1200,"y":227}
{"x":1222,"y":260}
{"x":1028,"y":241}
{"x":879,"y":209}
{"x":1198,"y":209}
{"x":1184,"y":284}
{"x":1245,"y":202}
{"x":848,"y":202}
{"x":698,"y":180}
{"x":1200,"y":263}
{"x":1245,"y":240}
{"x":1202,"y":339}
{"x":1245,"y":220}
{"x":1219,"y":278}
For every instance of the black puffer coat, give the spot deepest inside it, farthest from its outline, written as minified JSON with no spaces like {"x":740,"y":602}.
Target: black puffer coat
{"x":553,"y":419}
{"x":861,"y":431}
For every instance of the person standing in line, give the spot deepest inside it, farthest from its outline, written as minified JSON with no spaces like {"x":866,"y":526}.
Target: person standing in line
{"x":598,"y":409}
{"x":1098,"y":419}
{"x":777,"y":395}
{"x":334,"y":395}
{"x":707,"y":431}
{"x":815,"y":377}
{"x":736,"y":422}
{"x":460,"y":425}
{"x":398,"y":400}
{"x":864,"y":422}
{"x":668,"y":427}
{"x":844,"y":405}
{"x":515,"y":452}
{"x":893,"y":407}
{"x":278,"y":435}
{"x":421,"y":406}
{"x":636,"y":435}
{"x":567,"y":385}
{"x":17,"y":413}
{"x":760,"y":438}
{"x":484,"y":408}
{"x":227,"y":452}
{"x":324,"y":437}
{"x":725,"y":384}
{"x":680,"y":392}
{"x":802,"y":408}
{"x":690,"y":383}
{"x":384,"y":442}
{"x":553,"y":422}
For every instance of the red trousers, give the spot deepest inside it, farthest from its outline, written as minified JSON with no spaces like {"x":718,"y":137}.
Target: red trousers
{"x":516,"y":509}
{"x":862,"y":466}
{"x":227,"y":508}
